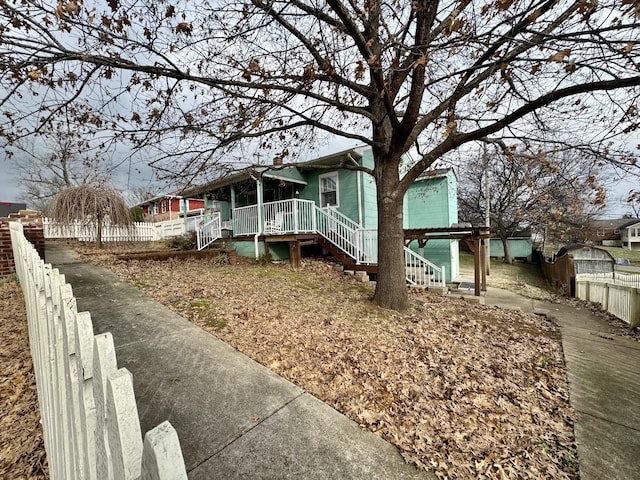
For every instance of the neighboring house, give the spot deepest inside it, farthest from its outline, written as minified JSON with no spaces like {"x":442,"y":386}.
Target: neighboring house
{"x":320,"y":204}
{"x":170,"y":207}
{"x":609,"y":232}
{"x":630,"y":235}
{"x":7,"y":208}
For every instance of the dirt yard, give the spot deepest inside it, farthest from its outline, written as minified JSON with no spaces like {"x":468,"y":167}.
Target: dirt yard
{"x":22,"y":453}
{"x":466,"y":390}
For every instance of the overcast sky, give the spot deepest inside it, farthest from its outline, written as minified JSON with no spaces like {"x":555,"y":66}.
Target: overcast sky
{"x":131,"y":176}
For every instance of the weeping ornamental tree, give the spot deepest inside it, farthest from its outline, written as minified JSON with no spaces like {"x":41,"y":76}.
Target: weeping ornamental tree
{"x":207,"y":80}
{"x":90,"y":205}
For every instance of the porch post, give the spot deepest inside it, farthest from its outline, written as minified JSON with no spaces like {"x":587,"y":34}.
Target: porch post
{"x":233,"y":210}
{"x":259,"y":195}
{"x":257,"y":235}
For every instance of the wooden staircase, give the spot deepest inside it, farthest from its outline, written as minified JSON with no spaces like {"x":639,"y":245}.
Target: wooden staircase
{"x":348,"y":262}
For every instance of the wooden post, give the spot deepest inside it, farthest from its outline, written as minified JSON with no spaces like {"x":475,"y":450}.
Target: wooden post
{"x":634,"y":308}
{"x":483,"y":263}
{"x":476,"y":266}
{"x":295,"y":256}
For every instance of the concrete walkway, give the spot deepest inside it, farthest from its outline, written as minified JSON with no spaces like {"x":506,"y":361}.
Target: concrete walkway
{"x":235,"y":418}
{"x":604,"y":384}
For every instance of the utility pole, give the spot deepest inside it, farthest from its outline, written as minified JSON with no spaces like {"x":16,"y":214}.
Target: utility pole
{"x":487,"y":211}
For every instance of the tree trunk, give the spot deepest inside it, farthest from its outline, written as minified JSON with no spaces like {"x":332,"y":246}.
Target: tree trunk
{"x":99,"y":233}
{"x":507,"y":251}
{"x":391,"y":288}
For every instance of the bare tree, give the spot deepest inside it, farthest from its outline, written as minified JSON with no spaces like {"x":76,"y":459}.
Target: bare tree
{"x":62,"y":159}
{"x":90,"y":204}
{"x":204,"y":80}
{"x":552,"y":193}
{"x":633,"y":202}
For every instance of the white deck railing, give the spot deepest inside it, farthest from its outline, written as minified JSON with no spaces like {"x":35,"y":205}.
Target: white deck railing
{"x":87,"y":405}
{"x":291,"y":216}
{"x":245,"y":220}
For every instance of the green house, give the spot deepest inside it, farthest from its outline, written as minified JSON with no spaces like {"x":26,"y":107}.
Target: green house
{"x":326,"y":202}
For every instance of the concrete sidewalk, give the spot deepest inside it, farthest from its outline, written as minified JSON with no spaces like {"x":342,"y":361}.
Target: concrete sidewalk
{"x":235,"y":418}
{"x":604,"y":384}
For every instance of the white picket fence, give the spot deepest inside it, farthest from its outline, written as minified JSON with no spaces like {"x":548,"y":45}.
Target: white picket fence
{"x":617,"y":293}
{"x":87,"y":231}
{"x":136,"y":232}
{"x":87,"y":405}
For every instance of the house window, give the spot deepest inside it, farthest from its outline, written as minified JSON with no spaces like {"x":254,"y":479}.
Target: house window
{"x":600,"y":233}
{"x":329,"y":189}
{"x":617,"y":231}
{"x":633,"y":232}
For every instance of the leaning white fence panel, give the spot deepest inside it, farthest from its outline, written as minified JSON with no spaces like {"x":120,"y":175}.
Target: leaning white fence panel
{"x":620,"y":300}
{"x":89,"y":415}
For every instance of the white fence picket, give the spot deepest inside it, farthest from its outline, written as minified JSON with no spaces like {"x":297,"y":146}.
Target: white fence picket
{"x":89,"y":415}
{"x":616,"y":293}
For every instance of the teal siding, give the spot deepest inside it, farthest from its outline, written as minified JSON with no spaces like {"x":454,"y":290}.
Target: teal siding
{"x":432,"y":203}
{"x":520,"y":247}
{"x":279,"y":250}
{"x":369,"y":199}
{"x":347,"y":188}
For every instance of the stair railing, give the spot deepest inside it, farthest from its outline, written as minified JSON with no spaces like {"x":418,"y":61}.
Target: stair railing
{"x":338,"y":229}
{"x":209,"y":230}
{"x":421,"y":272}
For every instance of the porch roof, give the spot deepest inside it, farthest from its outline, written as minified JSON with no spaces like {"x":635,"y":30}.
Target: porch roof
{"x":290,"y":172}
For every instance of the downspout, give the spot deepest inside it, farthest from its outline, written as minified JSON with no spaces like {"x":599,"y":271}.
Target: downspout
{"x":359,"y":188}
{"x":256,"y":244}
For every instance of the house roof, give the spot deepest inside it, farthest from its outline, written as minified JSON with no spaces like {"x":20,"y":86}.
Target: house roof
{"x":11,"y":207}
{"x":580,"y":246}
{"x":174,"y":194}
{"x":289,"y":172}
{"x":435,"y":173}
{"x":614,"y":222}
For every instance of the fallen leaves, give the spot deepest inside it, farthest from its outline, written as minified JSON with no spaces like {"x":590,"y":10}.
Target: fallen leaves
{"x":467,"y":390}
{"x":22,"y":452}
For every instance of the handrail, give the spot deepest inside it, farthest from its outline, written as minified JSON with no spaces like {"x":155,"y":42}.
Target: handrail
{"x":421,"y":272}
{"x":209,"y":231}
{"x":339,"y":233}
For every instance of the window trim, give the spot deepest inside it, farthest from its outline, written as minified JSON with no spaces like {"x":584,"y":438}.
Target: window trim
{"x":320,"y":192}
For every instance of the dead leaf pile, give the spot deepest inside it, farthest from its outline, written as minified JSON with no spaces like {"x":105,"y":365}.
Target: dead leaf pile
{"x":467,"y":390}
{"x":22,"y":452}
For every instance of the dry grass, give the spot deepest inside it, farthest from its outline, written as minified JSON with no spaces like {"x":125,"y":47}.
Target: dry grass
{"x":22,"y":453}
{"x":525,"y":279}
{"x":466,"y":390}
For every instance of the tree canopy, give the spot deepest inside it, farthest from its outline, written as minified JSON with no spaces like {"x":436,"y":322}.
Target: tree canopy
{"x":90,"y":205}
{"x":65,"y":159}
{"x":207,"y":81}
{"x":551,"y":193}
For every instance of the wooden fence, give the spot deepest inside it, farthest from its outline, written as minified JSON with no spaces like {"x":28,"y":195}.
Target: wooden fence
{"x":560,"y":274}
{"x":89,"y":415}
{"x":619,"y":294}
